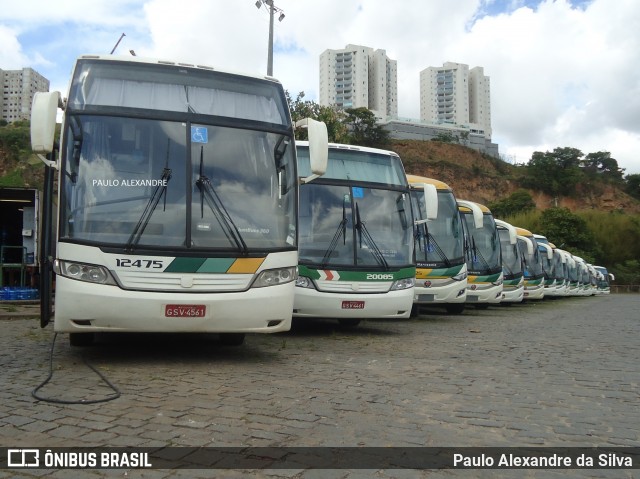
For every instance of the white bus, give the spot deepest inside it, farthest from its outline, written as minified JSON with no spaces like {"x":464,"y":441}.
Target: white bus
{"x":548,"y":265}
{"x":560,"y":273}
{"x":533,"y":272}
{"x":356,"y":237}
{"x":512,"y":264}
{"x":484,"y":255}
{"x":177,"y":201}
{"x":441,"y":270}
{"x":604,"y":280}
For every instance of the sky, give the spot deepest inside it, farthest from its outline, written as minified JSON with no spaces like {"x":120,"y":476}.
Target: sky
{"x":564,"y":73}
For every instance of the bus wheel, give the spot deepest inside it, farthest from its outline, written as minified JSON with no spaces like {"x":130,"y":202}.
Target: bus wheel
{"x":348,"y":322}
{"x":232,"y":339}
{"x":81,"y":339}
{"x":415,"y":311}
{"x":455,"y":308}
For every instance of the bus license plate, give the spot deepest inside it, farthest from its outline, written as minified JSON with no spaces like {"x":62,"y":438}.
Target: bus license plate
{"x":353,"y":305}
{"x":185,"y":310}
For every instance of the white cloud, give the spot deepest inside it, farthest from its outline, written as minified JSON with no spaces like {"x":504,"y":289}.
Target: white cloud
{"x":11,"y":55}
{"x":562,"y":76}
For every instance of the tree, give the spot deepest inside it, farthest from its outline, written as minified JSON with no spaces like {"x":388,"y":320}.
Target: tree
{"x":556,"y":173}
{"x":363,"y":128}
{"x":632,"y":185}
{"x":333,"y":117}
{"x":564,"y":228}
{"x":601,"y":163}
{"x":518,"y":202}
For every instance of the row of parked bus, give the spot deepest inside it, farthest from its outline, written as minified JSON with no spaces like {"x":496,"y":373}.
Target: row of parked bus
{"x":356,"y":246}
{"x":184,"y":203}
{"x":506,"y":263}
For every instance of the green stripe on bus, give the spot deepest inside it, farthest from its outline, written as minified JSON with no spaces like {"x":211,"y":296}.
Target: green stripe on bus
{"x":343,"y":275}
{"x":491,"y":278}
{"x":442,"y":272}
{"x":216,"y":265}
{"x":184,"y":265}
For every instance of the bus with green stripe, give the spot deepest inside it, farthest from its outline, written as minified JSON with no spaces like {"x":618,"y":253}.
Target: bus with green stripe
{"x":512,"y":264}
{"x":356,"y":237}
{"x":441,"y":270}
{"x":533,"y":272}
{"x":177,"y":202}
{"x":484,"y":255}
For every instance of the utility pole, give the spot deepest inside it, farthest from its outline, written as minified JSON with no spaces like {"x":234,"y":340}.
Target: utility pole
{"x":272,"y":11}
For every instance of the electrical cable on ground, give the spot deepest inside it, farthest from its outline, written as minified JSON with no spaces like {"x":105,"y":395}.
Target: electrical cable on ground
{"x":111,"y":397}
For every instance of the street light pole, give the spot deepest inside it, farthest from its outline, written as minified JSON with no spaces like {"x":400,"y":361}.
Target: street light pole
{"x":270,"y":54}
{"x":272,"y":11}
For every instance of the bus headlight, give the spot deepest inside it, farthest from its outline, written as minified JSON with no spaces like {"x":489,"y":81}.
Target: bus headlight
{"x":274,"y":277}
{"x":403,"y":284}
{"x":460,"y":276}
{"x":304,"y":282}
{"x":91,"y":273}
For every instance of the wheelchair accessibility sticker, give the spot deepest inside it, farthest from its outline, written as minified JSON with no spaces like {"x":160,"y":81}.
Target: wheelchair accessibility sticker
{"x":199,"y":134}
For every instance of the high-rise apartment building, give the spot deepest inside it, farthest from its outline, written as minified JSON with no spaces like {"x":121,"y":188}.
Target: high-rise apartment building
{"x":480,"y":100}
{"x":18,"y":88}
{"x":456,"y":95}
{"x":359,"y":76}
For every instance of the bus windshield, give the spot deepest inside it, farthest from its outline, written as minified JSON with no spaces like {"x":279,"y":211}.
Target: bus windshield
{"x":532,"y":262}
{"x":167,"y":175}
{"x":559,"y":268}
{"x":547,"y":264}
{"x":439,"y":242}
{"x":357,"y":214}
{"x":484,"y":245}
{"x":511,"y":258}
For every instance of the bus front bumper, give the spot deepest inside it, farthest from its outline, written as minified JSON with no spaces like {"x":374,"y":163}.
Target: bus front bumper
{"x":87,"y":307}
{"x":311,"y":303}
{"x":455,"y":292}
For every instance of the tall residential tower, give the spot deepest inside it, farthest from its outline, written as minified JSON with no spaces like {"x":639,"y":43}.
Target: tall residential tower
{"x":359,"y":76}
{"x":18,"y":88}
{"x":456,"y":95}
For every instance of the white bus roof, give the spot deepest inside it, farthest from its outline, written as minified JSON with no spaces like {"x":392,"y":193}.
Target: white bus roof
{"x":136,"y":59}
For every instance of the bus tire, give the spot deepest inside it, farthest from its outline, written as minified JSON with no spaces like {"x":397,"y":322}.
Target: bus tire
{"x":455,"y":308}
{"x":232,"y":339}
{"x":81,"y":339}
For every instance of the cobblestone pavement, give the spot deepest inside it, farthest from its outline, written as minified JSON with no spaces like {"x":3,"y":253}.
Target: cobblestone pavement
{"x":553,"y":373}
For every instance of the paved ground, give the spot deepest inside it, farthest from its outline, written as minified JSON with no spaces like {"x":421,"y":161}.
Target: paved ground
{"x":552,"y":373}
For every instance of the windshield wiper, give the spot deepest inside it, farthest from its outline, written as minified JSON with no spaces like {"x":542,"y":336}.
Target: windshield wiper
{"x":509,"y":270}
{"x":368,"y":239}
{"x":477,"y":253}
{"x":428,"y":240}
{"x":208,"y":194}
{"x":161,"y":189}
{"x":341,"y":230}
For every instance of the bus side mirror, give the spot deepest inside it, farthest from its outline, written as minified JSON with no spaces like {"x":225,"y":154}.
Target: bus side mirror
{"x":318,"y":147}
{"x":43,"y":120}
{"x":478,"y":215}
{"x":430,"y":200}
{"x":43,"y":123}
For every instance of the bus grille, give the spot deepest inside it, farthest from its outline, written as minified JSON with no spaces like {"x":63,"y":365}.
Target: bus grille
{"x":185,"y":283}
{"x":363,"y":287}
